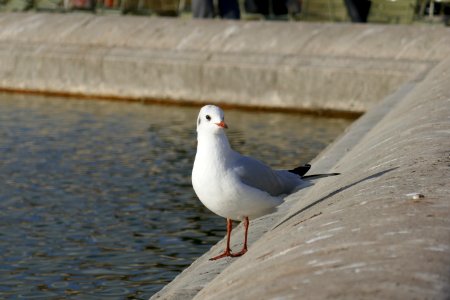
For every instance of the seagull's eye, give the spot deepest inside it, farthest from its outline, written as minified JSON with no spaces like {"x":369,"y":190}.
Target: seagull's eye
{"x":208,"y":117}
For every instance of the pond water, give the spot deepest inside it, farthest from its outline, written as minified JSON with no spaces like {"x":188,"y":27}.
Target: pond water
{"x":96,"y":199}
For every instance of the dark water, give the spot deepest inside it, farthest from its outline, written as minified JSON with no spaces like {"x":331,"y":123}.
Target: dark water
{"x":95,"y":196}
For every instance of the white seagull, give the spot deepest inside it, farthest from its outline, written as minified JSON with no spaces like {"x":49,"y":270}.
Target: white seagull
{"x":234,"y":186}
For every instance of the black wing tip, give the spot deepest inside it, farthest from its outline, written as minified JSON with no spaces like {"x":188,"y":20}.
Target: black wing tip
{"x":301,"y":170}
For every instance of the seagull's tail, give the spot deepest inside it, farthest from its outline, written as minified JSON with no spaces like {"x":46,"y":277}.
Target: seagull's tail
{"x":302,"y":170}
{"x":317,"y":176}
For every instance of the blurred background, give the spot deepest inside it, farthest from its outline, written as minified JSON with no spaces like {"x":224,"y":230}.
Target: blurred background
{"x":373,"y":11}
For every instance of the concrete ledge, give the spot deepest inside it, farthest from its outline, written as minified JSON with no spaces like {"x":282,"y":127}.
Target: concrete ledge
{"x":360,"y":235}
{"x":311,"y":67}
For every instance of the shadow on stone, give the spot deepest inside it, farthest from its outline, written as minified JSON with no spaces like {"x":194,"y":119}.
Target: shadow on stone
{"x":334,"y":193}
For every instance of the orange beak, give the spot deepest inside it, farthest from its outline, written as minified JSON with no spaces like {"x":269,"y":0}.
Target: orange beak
{"x":222,"y":124}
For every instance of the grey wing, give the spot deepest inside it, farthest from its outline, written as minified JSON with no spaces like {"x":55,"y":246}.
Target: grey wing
{"x":258,"y":175}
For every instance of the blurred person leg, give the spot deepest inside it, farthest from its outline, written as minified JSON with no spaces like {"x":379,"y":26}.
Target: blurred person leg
{"x":279,"y":7}
{"x":202,"y":9}
{"x":358,"y":10}
{"x":229,"y":9}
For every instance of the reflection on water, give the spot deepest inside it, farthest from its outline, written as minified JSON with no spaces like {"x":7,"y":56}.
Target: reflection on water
{"x":96,"y":199}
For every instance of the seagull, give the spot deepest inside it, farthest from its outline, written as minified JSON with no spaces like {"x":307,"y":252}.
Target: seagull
{"x":234,"y":186}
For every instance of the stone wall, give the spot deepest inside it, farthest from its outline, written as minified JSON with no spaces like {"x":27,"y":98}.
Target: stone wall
{"x":315,"y":67}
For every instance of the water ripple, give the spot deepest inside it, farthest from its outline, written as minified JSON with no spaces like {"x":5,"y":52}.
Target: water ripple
{"x":96,"y":199}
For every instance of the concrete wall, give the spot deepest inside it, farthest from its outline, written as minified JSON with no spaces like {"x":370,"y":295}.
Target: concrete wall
{"x":361,"y":235}
{"x":317,"y":67}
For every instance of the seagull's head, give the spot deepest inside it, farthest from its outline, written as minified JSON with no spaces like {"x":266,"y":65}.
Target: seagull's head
{"x":211,"y":119}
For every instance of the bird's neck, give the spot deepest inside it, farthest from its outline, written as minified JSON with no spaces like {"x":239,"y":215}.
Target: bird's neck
{"x":213,"y":146}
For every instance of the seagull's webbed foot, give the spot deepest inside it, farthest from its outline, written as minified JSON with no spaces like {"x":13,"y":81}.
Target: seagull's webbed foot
{"x":226,"y":253}
{"x":240,"y":253}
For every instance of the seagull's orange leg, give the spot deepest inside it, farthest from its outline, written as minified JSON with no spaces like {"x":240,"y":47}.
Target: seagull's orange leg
{"x":227,"y":251}
{"x":244,"y":248}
